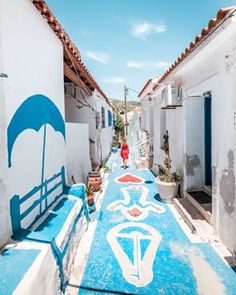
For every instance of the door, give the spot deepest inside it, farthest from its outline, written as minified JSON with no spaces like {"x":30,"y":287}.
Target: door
{"x":194,"y":142}
{"x":208,"y":138}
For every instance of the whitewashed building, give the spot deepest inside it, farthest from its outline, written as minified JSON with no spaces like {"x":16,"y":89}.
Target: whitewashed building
{"x":148,"y":118}
{"x":134,"y":132}
{"x":195,"y":101}
{"x":94,"y":110}
{"x":42,"y":146}
{"x":145,"y":96}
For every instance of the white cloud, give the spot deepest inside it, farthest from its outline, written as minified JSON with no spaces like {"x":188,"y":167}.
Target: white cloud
{"x":101,"y":57}
{"x":143,"y":29}
{"x":147,"y":65}
{"x":115,"y":80}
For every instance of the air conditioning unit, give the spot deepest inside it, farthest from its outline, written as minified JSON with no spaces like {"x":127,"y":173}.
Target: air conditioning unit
{"x":170,"y":97}
{"x":70,"y":89}
{"x":180,"y":97}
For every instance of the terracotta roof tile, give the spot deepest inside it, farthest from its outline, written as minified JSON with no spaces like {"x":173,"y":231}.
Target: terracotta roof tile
{"x":221,"y":14}
{"x":47,"y":14}
{"x":144,"y":87}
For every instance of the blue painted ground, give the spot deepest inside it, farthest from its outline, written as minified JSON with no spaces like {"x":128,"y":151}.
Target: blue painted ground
{"x":51,"y":226}
{"x":174,"y":265}
{"x":14,"y":263}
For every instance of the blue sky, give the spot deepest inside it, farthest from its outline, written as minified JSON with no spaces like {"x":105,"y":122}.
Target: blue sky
{"x":126,"y":42}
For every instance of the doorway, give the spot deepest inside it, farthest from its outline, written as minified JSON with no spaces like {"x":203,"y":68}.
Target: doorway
{"x":208,"y":138}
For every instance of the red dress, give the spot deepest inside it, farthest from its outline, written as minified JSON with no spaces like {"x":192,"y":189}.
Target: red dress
{"x":124,"y":151}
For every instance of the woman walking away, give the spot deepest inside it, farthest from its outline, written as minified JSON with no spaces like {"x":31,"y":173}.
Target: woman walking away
{"x":124,"y":152}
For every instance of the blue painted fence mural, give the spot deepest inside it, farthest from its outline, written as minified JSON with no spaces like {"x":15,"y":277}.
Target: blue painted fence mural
{"x":35,"y":112}
{"x":17,"y":202}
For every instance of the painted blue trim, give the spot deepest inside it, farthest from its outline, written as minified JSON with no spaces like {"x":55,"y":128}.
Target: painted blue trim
{"x":78,"y":192}
{"x":109,"y":118}
{"x":114,"y":120}
{"x":208,"y":138}
{"x":59,"y":255}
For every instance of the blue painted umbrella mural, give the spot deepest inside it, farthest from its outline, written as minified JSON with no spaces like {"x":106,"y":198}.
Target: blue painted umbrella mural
{"x":34,"y":113}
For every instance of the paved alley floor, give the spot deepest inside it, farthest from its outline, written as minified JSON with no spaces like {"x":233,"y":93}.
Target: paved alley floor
{"x":140,"y":248}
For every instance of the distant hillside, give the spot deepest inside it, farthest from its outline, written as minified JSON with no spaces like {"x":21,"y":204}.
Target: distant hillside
{"x":119,"y":105}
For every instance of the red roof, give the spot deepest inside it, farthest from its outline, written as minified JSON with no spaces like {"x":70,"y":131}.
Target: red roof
{"x":144,"y":87}
{"x":213,"y":23}
{"x":70,"y":47}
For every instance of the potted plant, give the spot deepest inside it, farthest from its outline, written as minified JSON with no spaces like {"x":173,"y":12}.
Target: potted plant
{"x":167,"y":181}
{"x":90,"y":198}
{"x":95,"y":180}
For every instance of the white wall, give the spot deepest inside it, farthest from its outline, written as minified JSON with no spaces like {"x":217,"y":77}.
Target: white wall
{"x":145,"y":110}
{"x":102,"y":136}
{"x":77,"y":152}
{"x":134,"y":129}
{"x":194,"y":143}
{"x":175,"y":126}
{"x":211,"y":67}
{"x":156,"y":136}
{"x":32,"y":57}
{"x":151,"y":119}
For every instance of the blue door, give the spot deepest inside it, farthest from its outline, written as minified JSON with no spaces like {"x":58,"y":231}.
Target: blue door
{"x":208,"y":138}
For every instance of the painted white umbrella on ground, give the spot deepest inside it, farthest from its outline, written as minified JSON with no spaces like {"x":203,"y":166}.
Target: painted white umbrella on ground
{"x":136,"y":262}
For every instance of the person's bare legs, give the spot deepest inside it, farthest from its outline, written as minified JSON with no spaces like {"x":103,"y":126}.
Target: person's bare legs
{"x":123,"y":164}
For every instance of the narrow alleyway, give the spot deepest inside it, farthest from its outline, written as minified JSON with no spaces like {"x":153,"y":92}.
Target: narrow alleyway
{"x":140,"y":248}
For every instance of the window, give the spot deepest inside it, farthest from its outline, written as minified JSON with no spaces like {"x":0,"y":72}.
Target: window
{"x":162,"y":127}
{"x":114,"y":120}
{"x":103,"y":118}
{"x":97,"y":120}
{"x":109,"y":118}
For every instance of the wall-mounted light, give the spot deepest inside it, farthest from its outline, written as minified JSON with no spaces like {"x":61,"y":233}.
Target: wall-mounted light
{"x":3,"y":75}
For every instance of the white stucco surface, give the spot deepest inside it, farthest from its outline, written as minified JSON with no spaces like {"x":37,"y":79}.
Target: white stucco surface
{"x":77,"y":152}
{"x":134,"y":129}
{"x":33,"y":61}
{"x":210,"y":68}
{"x":100,"y":138}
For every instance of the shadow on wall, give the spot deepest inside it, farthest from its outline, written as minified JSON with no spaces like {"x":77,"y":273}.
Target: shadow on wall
{"x":35,"y":113}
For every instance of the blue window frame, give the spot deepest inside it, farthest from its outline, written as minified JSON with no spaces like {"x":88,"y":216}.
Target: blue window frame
{"x":103,"y":117}
{"x":109,"y":118}
{"x":114,"y":120}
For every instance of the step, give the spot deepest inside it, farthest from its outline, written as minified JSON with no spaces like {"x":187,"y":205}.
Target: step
{"x":207,"y":189}
{"x":204,"y":209}
{"x":192,"y":217}
{"x":180,"y":204}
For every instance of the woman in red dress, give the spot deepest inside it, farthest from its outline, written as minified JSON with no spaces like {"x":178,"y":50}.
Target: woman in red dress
{"x":124,"y":152}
